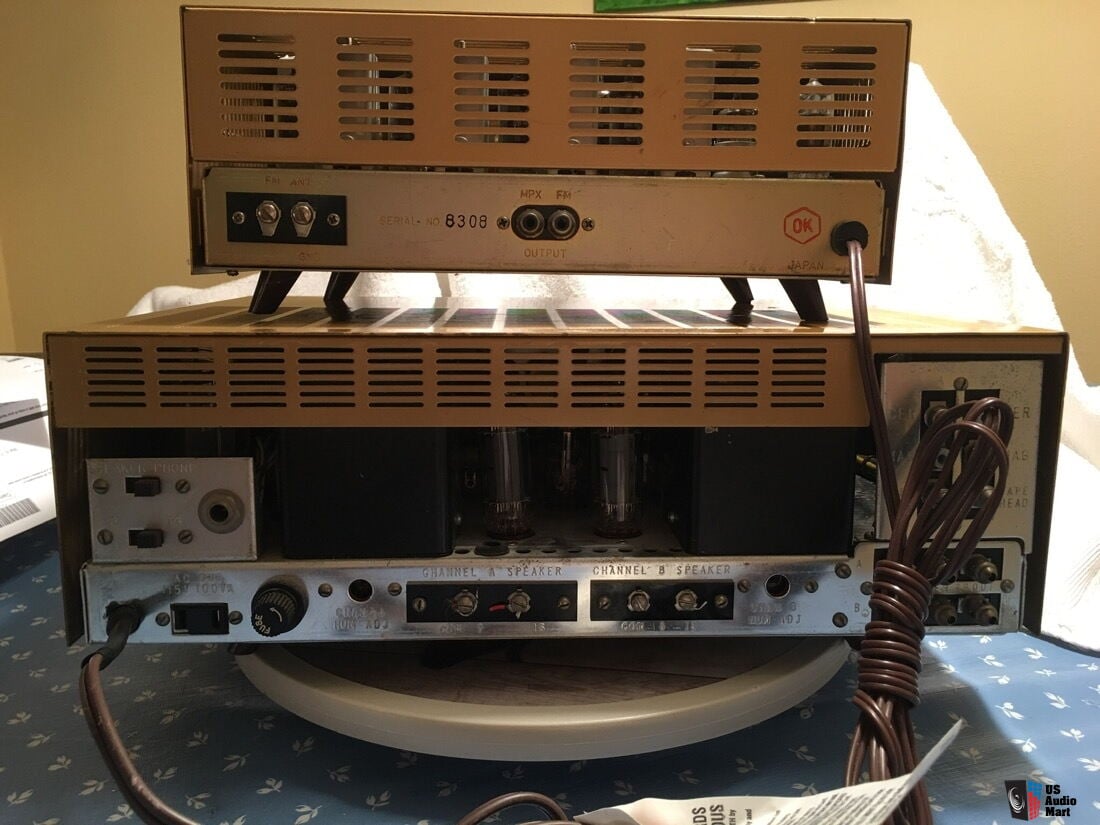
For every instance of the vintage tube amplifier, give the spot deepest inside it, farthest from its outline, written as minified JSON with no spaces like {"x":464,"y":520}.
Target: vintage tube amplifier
{"x":293,"y":470}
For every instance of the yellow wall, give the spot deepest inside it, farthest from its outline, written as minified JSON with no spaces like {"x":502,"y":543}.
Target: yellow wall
{"x":92,"y":144}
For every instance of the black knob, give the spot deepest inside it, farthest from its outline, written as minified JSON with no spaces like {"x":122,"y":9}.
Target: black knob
{"x":276,"y":609}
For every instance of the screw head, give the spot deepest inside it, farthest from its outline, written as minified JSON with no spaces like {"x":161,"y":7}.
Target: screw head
{"x":503,"y":222}
{"x":687,"y":600}
{"x":332,"y":219}
{"x":419,"y":604}
{"x":637,"y":601}
{"x":744,"y":585}
{"x":588,"y":224}
{"x":105,"y":536}
{"x":721,"y":600}
{"x":238,"y":217}
{"x":843,"y":570}
{"x":394,"y":589}
{"x":811,"y":586}
{"x":866,"y":588}
{"x":302,"y":213}
{"x":564,"y":603}
{"x":324,"y":590}
{"x":839,"y":619}
{"x":185,"y":536}
{"x":1007,"y":585}
{"x":235,"y":617}
{"x":163,"y":619}
{"x":268,"y":212}
{"x":183,"y":486}
{"x":101,"y":486}
{"x":603,"y":602}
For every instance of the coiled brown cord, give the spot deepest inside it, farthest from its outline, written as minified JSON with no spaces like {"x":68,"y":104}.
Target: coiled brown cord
{"x":940,"y":495}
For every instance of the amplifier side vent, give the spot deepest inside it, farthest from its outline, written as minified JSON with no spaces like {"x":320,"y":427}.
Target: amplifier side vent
{"x":798,"y":377}
{"x":186,"y":376}
{"x":836,"y":102}
{"x":258,"y":91}
{"x":607,"y":91}
{"x":375,"y":86}
{"x":464,"y":376}
{"x":732,"y":377}
{"x":597,"y":376}
{"x":491,"y":89}
{"x":665,"y":376}
{"x":395,"y":377}
{"x":257,"y":376}
{"x":720,"y":94}
{"x":531,"y":377}
{"x":114,"y":376}
{"x":326,"y":377}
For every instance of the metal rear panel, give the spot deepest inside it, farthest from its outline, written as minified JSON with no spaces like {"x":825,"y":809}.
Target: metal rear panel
{"x":413,"y":90}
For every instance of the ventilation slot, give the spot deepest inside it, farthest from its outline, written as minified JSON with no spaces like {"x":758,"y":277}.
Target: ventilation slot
{"x":376,"y":86}
{"x":721,"y":81}
{"x":836,"y":101}
{"x":665,"y":376}
{"x":732,"y":377}
{"x":326,"y":377}
{"x":185,"y":377}
{"x":463,"y":377}
{"x":798,"y":377}
{"x":395,"y":377}
{"x":491,"y":89}
{"x":607,"y":86}
{"x":115,"y":376}
{"x":257,"y":377}
{"x":597,"y":377}
{"x":258,"y":91}
{"x":530,"y":377}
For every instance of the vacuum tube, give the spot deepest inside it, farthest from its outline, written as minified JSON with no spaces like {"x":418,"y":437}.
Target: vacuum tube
{"x":618,"y":506}
{"x":507,"y":505}
{"x":564,"y":468}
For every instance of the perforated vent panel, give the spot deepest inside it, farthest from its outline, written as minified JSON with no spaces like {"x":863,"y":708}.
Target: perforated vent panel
{"x":257,"y":85}
{"x":552,"y":374}
{"x":837,"y":101}
{"x":722,"y":94}
{"x":375,"y":87}
{"x":408,"y":89}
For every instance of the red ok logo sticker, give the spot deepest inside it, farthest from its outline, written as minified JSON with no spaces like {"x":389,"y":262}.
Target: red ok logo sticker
{"x":802,"y":225}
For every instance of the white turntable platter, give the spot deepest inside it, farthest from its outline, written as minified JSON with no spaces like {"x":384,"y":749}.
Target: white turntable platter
{"x":544,"y":699}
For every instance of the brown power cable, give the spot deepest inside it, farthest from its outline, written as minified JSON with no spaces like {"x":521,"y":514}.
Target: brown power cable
{"x":146,"y":804}
{"x":940,"y":495}
{"x":509,"y":800}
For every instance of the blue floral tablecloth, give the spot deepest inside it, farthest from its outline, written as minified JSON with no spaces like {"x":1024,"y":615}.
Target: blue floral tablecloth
{"x":216,"y":748}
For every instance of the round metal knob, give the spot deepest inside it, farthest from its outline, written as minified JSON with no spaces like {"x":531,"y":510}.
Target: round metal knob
{"x":276,"y":609}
